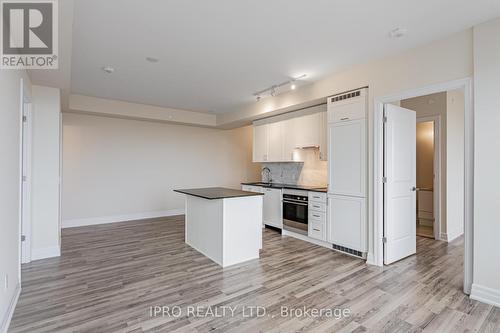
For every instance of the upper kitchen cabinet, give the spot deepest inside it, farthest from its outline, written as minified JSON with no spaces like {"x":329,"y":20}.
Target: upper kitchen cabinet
{"x":260,"y":142}
{"x":276,"y":138}
{"x":307,"y":131}
{"x":275,"y":141}
{"x":268,"y":142}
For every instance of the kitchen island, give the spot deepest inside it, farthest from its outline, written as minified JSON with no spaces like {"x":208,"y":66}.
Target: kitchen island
{"x":224,"y":224}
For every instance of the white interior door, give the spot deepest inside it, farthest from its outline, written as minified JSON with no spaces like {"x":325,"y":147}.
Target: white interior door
{"x":400,"y":183}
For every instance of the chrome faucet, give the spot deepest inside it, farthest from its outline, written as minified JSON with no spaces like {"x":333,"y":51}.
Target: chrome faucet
{"x":268,"y":174}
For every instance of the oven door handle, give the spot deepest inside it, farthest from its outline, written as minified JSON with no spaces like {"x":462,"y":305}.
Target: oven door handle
{"x":295,"y":203}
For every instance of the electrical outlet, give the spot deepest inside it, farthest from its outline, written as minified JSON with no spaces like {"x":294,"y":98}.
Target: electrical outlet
{"x":6,"y":284}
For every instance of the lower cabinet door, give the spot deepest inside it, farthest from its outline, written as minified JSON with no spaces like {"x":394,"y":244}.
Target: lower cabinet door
{"x":347,"y":222}
{"x":272,"y":209}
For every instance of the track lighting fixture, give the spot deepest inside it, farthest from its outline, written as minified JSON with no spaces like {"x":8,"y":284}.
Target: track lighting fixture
{"x":274,"y":89}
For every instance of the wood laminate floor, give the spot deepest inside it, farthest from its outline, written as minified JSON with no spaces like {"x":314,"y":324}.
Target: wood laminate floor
{"x":109,"y":276}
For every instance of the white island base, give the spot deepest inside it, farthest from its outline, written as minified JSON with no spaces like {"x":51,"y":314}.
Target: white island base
{"x":228,"y":230}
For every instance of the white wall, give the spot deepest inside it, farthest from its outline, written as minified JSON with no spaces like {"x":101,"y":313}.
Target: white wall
{"x":45,"y":217}
{"x":10,"y":130}
{"x":455,"y":157}
{"x":117,"y":169}
{"x":486,"y":286}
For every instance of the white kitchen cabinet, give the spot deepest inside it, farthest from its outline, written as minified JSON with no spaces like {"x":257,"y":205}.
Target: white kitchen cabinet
{"x":260,"y":143}
{"x":275,"y":144}
{"x":347,"y":158}
{"x":347,"y":222}
{"x":277,"y":139}
{"x":316,"y":229}
{"x":348,"y":109}
{"x":272,"y":210}
{"x":317,"y":215}
{"x":289,"y":140}
{"x":307,"y":131}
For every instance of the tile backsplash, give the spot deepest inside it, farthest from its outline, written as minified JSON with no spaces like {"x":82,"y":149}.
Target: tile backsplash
{"x":311,"y":172}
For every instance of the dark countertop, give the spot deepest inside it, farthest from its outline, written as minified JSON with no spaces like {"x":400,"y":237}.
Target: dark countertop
{"x":289,"y":186}
{"x":213,"y":193}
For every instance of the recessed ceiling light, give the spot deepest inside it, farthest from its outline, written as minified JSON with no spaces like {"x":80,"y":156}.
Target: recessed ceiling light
{"x":397,"y":32}
{"x":152,"y":59}
{"x":108,"y":69}
{"x":293,"y":86}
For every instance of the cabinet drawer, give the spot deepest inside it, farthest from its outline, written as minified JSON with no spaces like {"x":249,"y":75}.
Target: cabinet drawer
{"x":346,"y":112}
{"x":317,"y":197}
{"x":317,"y":215}
{"x":317,"y":230}
{"x":317,"y":206}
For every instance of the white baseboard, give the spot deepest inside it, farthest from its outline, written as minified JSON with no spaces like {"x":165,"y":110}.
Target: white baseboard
{"x":45,"y":252}
{"x":120,"y":218}
{"x":485,"y":295}
{"x":370,"y":260}
{"x":10,"y":310}
{"x":449,"y":238}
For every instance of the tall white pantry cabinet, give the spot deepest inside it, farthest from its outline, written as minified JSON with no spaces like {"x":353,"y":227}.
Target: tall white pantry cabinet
{"x":347,"y":171}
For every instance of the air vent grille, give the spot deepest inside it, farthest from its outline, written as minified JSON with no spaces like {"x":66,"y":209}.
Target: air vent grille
{"x":348,"y":251}
{"x":346,"y":96}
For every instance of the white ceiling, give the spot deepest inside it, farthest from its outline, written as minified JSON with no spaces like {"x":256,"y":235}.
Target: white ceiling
{"x":215,"y":54}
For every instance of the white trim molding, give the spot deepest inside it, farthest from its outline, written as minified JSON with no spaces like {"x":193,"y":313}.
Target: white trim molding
{"x":121,"y":218}
{"x":45,"y":252}
{"x":485,"y":295}
{"x":10,"y":310}
{"x":449,"y":238}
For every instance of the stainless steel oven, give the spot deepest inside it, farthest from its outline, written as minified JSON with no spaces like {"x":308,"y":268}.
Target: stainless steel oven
{"x":295,"y":211}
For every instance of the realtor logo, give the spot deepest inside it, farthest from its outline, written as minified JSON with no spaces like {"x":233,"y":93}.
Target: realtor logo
{"x":29,"y":34}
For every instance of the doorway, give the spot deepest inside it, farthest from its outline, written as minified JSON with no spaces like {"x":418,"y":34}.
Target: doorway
{"x":465,"y":175}
{"x":428,"y":172}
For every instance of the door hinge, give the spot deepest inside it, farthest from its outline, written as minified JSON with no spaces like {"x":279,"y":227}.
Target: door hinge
{"x":384,"y":239}
{"x":384,"y":119}
{"x":23,"y":238}
{"x":24,"y":119}
{"x":384,"y":179}
{"x":24,"y":178}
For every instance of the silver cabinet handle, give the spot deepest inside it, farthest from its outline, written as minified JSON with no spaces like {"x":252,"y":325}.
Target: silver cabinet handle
{"x":345,"y":118}
{"x":316,"y":215}
{"x":316,"y":229}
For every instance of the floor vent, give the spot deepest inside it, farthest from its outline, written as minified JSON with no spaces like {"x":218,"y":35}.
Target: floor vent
{"x":346,"y":96}
{"x":349,"y":251}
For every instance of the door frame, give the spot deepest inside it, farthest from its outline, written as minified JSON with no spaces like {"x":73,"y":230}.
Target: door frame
{"x":437,"y":172}
{"x":378,"y":167}
{"x":25,"y":142}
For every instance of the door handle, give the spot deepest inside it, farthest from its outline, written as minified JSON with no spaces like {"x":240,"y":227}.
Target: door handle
{"x":413,"y":189}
